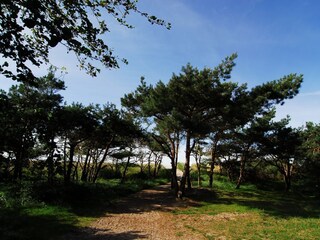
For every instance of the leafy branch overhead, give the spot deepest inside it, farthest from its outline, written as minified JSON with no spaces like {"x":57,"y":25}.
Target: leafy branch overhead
{"x":30,"y":28}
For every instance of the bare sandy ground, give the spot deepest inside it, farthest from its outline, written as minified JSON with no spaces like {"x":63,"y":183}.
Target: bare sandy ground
{"x":144,"y":215}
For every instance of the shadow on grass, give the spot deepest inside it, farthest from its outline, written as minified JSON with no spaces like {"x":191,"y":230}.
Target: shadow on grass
{"x":56,"y":211}
{"x":17,"y":226}
{"x":98,"y":234}
{"x":275,"y":203}
{"x":161,"y":198}
{"x":87,"y":200}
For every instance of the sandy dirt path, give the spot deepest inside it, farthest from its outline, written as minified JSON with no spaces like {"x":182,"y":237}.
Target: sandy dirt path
{"x":144,"y":215}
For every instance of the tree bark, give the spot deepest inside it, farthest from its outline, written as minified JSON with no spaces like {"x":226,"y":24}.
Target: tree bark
{"x":198,"y":162}
{"x":70,"y":164}
{"x":241,"y":173}
{"x":287,"y":176}
{"x":125,"y":170}
{"x":186,"y":173}
{"x":212,"y":163}
{"x":98,"y":169}
{"x":84,"y":175}
{"x":17,"y":173}
{"x":50,"y":162}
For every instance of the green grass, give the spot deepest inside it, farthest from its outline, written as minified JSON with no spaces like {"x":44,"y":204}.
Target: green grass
{"x":46,"y":222}
{"x":40,"y":211}
{"x":252,"y":213}
{"x":259,"y":226}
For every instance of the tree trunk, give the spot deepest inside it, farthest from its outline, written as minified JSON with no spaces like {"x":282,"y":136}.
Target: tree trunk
{"x":17,"y":173}
{"x":50,"y":161}
{"x":70,"y":164}
{"x":287,"y":176}
{"x":199,"y":176}
{"x":241,"y":173}
{"x":174,"y":179}
{"x":212,"y":163}
{"x":149,"y":164}
{"x":65,"y":159}
{"x":84,"y":175}
{"x":98,"y":169}
{"x":186,"y":173}
{"x":287,"y":180}
{"x":17,"y":169}
{"x":50,"y":168}
{"x":198,"y":162}
{"x":157,"y":163}
{"x":125,"y":170}
{"x":75,"y":175}
{"x":158,"y":167}
{"x":174,"y":146}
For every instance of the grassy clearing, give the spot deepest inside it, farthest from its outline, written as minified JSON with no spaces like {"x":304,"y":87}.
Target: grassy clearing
{"x":44,"y":212}
{"x":251,"y":213}
{"x":39,"y":211}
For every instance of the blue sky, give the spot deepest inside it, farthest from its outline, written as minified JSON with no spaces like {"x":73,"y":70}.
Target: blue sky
{"x":272,"y":38}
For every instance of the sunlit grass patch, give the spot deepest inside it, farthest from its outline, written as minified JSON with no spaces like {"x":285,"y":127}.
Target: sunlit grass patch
{"x":252,"y":213}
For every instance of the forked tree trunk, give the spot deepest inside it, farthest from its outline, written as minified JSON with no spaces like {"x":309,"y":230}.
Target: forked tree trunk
{"x":99,"y":166}
{"x":125,"y":170}
{"x":84,"y":175}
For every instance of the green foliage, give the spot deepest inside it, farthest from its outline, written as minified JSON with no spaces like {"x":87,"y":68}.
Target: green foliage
{"x":164,"y":173}
{"x":180,"y":166}
{"x":17,"y":196}
{"x":30,"y":117}
{"x":31,"y":28}
{"x":109,"y":173}
{"x":309,"y":175}
{"x":201,"y":104}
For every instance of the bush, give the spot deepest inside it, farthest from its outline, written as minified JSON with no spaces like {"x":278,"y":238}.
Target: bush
{"x":139,"y":175}
{"x":17,"y":195}
{"x":165,"y":173}
{"x":109,"y":173}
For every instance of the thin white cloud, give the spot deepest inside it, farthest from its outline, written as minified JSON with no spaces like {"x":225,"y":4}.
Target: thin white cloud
{"x":316,"y":93}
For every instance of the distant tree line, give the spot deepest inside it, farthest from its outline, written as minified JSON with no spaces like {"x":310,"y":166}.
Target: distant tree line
{"x":42,"y":136}
{"x":220,"y":123}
